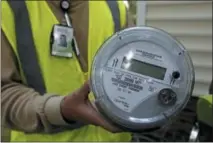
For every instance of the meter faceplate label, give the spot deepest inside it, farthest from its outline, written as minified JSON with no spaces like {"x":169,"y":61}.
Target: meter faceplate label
{"x":126,"y":90}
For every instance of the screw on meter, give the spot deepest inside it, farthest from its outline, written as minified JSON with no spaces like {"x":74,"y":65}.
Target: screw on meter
{"x":144,"y":80}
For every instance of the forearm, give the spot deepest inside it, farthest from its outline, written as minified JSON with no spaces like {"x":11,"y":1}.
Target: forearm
{"x":25,"y":110}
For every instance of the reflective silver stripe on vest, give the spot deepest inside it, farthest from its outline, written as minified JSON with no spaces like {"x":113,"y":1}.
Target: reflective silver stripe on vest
{"x":113,"y":5}
{"x":26,"y":47}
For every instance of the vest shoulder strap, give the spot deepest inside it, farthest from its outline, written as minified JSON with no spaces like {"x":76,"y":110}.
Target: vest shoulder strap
{"x":26,"y":47}
{"x":114,"y":8}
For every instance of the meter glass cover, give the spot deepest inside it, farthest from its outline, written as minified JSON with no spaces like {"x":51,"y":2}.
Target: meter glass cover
{"x":143,"y":68}
{"x":132,"y":82}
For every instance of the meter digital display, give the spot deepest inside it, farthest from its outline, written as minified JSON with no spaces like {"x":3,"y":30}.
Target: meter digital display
{"x":141,"y":78}
{"x":143,"y":68}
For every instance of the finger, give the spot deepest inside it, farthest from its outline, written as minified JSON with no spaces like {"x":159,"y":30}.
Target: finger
{"x":90,"y":114}
{"x":84,"y":90}
{"x":94,"y":106}
{"x":106,"y":125}
{"x":95,"y":118}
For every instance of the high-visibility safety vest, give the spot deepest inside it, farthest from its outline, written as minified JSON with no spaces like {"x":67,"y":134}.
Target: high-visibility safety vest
{"x":204,"y":109}
{"x":61,"y":75}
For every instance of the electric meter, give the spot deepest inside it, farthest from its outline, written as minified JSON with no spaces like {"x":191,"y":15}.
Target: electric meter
{"x":141,"y":78}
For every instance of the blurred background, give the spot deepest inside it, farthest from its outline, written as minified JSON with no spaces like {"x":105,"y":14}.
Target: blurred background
{"x":191,"y":23}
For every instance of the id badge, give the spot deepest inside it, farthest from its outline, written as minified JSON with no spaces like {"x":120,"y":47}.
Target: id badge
{"x":62,"y":41}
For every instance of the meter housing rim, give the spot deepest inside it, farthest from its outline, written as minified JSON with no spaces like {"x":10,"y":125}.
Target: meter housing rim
{"x":124,"y":122}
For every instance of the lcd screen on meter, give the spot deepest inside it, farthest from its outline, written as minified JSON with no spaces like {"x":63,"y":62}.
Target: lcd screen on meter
{"x":143,"y":68}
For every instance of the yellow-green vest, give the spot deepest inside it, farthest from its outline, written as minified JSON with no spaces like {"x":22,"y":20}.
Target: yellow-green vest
{"x":71,"y":77}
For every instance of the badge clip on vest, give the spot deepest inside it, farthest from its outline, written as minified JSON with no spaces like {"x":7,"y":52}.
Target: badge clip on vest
{"x":63,"y":42}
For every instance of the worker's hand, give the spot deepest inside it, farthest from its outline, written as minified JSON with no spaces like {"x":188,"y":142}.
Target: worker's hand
{"x":77,"y":107}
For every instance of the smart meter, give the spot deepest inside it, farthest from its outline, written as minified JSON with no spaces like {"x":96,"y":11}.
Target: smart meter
{"x":141,"y":78}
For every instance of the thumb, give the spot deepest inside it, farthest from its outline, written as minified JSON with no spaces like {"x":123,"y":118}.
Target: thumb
{"x":84,"y":90}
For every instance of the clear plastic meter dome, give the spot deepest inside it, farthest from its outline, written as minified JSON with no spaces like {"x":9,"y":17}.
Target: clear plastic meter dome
{"x":141,"y":78}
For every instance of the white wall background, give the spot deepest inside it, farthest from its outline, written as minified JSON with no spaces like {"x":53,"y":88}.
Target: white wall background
{"x":191,"y":23}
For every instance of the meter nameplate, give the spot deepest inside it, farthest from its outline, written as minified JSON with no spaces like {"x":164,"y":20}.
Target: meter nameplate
{"x":127,"y":90}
